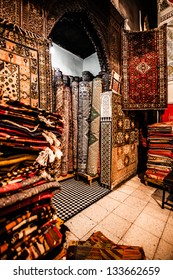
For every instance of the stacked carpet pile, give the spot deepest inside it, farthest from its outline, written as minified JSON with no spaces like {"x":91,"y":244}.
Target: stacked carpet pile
{"x":30,"y":154}
{"x":160,"y":152}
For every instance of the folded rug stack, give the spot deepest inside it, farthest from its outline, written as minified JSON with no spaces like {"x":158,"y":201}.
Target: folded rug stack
{"x":30,"y":155}
{"x":160,"y":152}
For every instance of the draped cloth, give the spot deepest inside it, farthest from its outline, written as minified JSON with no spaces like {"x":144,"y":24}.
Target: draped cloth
{"x":144,"y":69}
{"x":84,"y":110}
{"x":94,"y":134}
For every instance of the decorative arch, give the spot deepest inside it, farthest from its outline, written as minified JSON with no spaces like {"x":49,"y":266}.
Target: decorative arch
{"x":92,"y":30}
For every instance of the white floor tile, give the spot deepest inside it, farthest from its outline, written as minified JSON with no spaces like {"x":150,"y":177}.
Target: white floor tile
{"x":127,"y":212}
{"x":150,"y":224}
{"x":168,"y":233}
{"x":108,"y":203}
{"x":139,"y":237}
{"x":80,"y":225}
{"x":95,"y":212}
{"x":115,"y":224}
{"x":164,"y":251}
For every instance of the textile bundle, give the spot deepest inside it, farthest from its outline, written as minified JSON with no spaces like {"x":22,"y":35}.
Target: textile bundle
{"x":160,"y":152}
{"x":78,"y":101}
{"x":30,"y":155}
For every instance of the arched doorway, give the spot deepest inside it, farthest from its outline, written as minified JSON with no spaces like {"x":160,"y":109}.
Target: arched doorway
{"x":77,"y":33}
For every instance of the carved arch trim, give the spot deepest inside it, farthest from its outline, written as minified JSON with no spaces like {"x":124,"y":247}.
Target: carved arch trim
{"x":93,"y":31}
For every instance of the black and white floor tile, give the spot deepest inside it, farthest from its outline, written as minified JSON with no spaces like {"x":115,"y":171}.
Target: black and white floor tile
{"x":75,"y":196}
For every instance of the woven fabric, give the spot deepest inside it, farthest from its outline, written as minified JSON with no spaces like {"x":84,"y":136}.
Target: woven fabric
{"x":75,"y":93}
{"x":99,"y":247}
{"x":15,"y":198}
{"x":160,"y":155}
{"x":25,"y":67}
{"x":94,"y":134}
{"x":70,"y":146}
{"x":64,"y":161}
{"x":170,"y":54}
{"x":144,"y":69}
{"x":84,"y":110}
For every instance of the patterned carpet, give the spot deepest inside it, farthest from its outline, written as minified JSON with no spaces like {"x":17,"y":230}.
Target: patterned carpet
{"x":75,"y":196}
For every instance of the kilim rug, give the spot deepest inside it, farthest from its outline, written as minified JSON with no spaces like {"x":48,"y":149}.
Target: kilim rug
{"x":94,"y":134}
{"x":144,"y":69}
{"x":75,"y":196}
{"x":84,"y":111}
{"x":99,"y":247}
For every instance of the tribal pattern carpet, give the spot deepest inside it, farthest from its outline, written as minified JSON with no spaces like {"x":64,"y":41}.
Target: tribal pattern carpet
{"x":75,"y":196}
{"x":94,"y":134}
{"x":25,"y":67}
{"x":170,"y":53}
{"x":84,"y":111}
{"x":75,"y":94}
{"x":123,"y":127}
{"x":144,"y":66}
{"x":99,"y":247}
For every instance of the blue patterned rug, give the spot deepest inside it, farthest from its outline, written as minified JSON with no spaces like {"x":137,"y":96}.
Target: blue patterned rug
{"x":75,"y":196}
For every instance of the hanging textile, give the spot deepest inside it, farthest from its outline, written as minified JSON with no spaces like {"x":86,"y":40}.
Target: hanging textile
{"x":144,"y":69}
{"x":94,"y":135}
{"x":84,"y":110}
{"x":25,"y":66}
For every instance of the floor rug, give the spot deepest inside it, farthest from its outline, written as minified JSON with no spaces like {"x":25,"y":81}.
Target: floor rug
{"x":75,"y":196}
{"x":99,"y":247}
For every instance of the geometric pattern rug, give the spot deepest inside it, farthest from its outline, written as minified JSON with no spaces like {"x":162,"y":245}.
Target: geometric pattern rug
{"x":144,"y":69}
{"x":75,"y":196}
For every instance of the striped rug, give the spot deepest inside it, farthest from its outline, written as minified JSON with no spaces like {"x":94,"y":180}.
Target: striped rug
{"x":75,"y":196}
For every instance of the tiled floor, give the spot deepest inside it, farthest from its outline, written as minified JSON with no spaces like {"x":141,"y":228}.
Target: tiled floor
{"x":130,"y":216}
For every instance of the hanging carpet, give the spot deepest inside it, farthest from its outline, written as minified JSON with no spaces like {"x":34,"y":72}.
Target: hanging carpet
{"x":75,"y":196}
{"x":144,"y":69}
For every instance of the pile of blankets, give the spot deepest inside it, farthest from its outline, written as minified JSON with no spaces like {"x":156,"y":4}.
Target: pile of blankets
{"x":30,"y":156}
{"x":160,"y":152}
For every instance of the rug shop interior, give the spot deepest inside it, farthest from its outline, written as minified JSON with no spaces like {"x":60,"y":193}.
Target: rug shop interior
{"x":86,"y":130}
